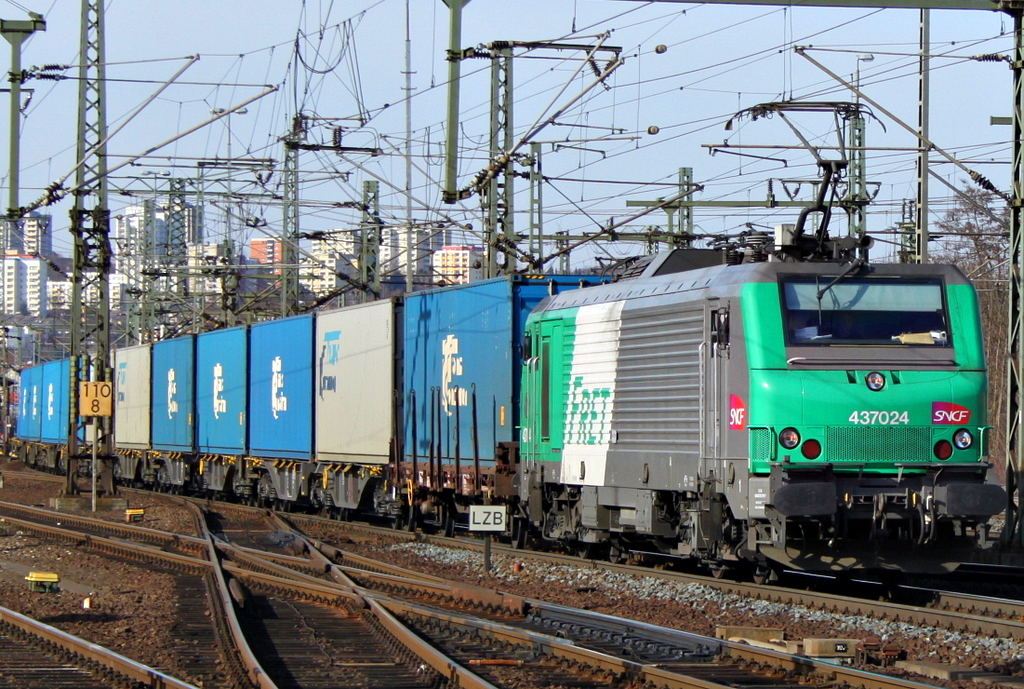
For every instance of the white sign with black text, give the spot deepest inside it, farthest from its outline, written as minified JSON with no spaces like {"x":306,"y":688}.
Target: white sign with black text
{"x":487,"y":517}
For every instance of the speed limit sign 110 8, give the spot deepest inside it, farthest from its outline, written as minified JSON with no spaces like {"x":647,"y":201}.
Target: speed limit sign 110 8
{"x":95,"y":398}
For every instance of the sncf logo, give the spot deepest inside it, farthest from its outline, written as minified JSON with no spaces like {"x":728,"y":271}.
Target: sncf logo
{"x":949,"y":413}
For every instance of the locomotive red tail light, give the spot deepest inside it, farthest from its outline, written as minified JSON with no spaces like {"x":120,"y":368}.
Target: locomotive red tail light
{"x":943,"y":450}
{"x":789,"y":438}
{"x":811,"y":449}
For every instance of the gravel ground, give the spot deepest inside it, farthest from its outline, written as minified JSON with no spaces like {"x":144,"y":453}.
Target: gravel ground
{"x":110,"y":602}
{"x":122,"y":615}
{"x":692,"y":607}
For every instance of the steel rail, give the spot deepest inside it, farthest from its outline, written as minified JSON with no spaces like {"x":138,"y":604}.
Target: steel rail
{"x":93,"y":653}
{"x":222,"y":600}
{"x":125,"y":549}
{"x":126,"y":530}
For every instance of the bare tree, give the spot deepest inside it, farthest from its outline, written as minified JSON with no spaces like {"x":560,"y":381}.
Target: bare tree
{"x":974,"y":236}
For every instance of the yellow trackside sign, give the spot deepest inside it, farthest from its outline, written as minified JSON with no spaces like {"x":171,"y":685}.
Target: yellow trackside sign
{"x":95,"y":398}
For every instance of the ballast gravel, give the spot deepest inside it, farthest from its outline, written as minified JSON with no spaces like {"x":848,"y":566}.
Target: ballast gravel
{"x":693,"y":607}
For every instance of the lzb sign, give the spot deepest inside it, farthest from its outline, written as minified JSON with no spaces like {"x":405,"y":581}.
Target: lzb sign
{"x":487,"y":518}
{"x":95,"y":398}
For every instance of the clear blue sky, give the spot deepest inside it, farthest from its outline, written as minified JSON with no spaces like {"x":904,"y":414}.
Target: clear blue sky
{"x":718,"y":60}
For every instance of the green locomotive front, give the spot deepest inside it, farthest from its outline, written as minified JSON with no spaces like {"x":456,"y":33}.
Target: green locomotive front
{"x":867,"y":417}
{"x":813,"y":415}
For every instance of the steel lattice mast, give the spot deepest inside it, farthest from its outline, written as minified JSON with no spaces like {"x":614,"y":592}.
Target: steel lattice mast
{"x":90,"y":227}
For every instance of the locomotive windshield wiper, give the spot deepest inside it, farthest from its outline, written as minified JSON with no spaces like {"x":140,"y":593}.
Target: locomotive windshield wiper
{"x":854,"y":267}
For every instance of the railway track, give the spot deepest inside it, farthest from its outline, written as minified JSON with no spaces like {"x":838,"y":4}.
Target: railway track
{"x":485,"y":633}
{"x":33,"y":654}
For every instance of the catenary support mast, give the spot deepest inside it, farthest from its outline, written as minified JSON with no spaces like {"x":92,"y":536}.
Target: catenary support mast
{"x":90,"y":227}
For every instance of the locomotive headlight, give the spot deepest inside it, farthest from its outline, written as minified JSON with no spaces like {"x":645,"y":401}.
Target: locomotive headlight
{"x":875,"y":381}
{"x":963,"y":439}
{"x":789,"y":438}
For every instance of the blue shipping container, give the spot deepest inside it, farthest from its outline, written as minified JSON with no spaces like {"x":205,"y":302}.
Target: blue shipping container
{"x":55,"y":421}
{"x":460,"y":337}
{"x":173,"y":400}
{"x":281,"y":388}
{"x":29,"y":417}
{"x":222,"y":375}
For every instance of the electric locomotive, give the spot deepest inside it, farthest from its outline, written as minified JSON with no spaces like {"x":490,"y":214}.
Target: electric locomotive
{"x":817,"y":415}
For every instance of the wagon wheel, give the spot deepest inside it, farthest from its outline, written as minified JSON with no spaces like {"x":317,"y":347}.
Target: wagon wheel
{"x":161,"y":479}
{"x":265,"y":491}
{"x":449,"y":522}
{"x":400,"y":520}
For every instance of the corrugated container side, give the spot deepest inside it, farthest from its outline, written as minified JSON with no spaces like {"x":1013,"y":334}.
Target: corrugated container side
{"x":30,"y":418}
{"x":355,"y":383}
{"x":281,"y":388}
{"x":21,"y":422}
{"x":173,"y":395}
{"x":132,"y":411}
{"x":222,"y":374}
{"x":465,"y":336}
{"x":55,"y":415}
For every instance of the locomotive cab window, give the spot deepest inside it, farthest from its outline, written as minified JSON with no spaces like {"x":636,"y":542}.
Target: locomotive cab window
{"x":821,"y":310}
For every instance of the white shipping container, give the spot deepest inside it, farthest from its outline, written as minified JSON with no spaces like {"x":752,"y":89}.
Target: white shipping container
{"x":355,"y":379}
{"x":132,"y":373}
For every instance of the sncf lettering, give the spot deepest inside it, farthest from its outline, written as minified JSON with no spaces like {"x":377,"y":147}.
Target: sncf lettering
{"x":948,"y":413}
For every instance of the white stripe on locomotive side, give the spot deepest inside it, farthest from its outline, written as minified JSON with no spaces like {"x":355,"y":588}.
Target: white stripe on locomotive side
{"x":591,"y":395}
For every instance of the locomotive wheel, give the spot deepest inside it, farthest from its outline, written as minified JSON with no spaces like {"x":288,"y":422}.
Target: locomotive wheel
{"x":764,"y":573}
{"x":719,"y":570}
{"x":617,"y":553}
{"x":520,"y":529}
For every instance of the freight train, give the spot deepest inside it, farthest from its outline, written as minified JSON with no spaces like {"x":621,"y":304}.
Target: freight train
{"x":753,"y":412}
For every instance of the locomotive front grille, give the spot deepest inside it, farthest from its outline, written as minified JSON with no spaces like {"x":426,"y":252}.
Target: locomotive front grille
{"x":878,"y":443}
{"x":761,"y":444}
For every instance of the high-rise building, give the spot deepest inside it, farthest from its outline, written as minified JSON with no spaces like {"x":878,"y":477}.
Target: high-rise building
{"x":37,"y":235}
{"x":29,"y":236}
{"x":145,"y":230}
{"x":208,"y":268}
{"x":268,"y":251}
{"x":328,"y":257}
{"x":25,"y":285}
{"x":394,"y":257}
{"x":459,"y":264}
